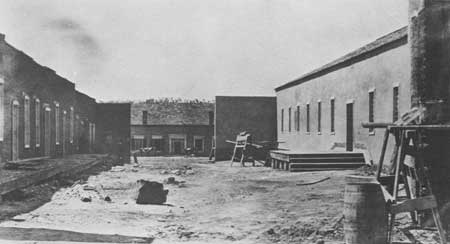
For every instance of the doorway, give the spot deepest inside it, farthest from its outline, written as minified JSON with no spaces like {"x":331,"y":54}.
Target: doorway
{"x":349,"y":137}
{"x":15,"y":131}
{"x":177,"y":146}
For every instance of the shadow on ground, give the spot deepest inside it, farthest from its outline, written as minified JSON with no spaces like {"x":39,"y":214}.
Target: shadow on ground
{"x":40,"y":234}
{"x":26,"y":200}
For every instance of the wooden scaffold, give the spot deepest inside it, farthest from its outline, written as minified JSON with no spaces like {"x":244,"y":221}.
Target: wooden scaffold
{"x":412,"y":174}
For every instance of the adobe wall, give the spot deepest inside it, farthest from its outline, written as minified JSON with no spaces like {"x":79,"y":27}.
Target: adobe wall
{"x":86,"y":110}
{"x":24,"y":77}
{"x":113,"y":129}
{"x":235,"y":114}
{"x":351,"y":83}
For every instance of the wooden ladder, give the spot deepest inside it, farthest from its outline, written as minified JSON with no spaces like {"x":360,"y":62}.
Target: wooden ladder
{"x":243,"y":140}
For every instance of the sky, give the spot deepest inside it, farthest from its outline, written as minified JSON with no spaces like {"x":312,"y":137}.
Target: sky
{"x":138,"y":49}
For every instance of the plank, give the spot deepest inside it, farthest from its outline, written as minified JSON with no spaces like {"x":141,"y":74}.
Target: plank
{"x":416,"y":204}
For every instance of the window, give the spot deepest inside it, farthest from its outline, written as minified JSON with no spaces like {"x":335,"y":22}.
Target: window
{"x":1,"y":108}
{"x":92,"y":134}
{"x":37,"y":123}
{"x":71,"y":125}
{"x":15,"y":129}
{"x":332,"y":115}
{"x":144,"y":117}
{"x":64,"y":127}
{"x":26,"y":118}
{"x":137,"y":142}
{"x":307,"y":118}
{"x":319,"y":116}
{"x":199,"y":143}
{"x":57,"y":129}
{"x":282,"y":119}
{"x":157,"y":143}
{"x":395,"y":104}
{"x":297,"y":119}
{"x":289,"y":122}
{"x":76,"y":123}
{"x":371,"y":108}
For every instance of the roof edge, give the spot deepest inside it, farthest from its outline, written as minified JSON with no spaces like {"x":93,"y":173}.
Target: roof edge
{"x":385,"y":43}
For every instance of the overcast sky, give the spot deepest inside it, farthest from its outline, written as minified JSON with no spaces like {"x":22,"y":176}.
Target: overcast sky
{"x":137,"y":49}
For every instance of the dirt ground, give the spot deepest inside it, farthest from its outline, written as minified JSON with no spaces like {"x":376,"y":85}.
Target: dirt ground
{"x":215,"y":204}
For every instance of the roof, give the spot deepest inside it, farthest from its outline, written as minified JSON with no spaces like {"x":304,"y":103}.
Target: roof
{"x":42,"y":67}
{"x":172,"y":112}
{"x":380,"y":45}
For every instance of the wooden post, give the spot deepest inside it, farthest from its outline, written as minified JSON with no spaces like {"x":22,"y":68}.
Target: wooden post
{"x":429,"y":42}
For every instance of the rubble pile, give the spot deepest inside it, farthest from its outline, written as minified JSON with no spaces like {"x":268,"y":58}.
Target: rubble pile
{"x":185,"y":170}
{"x":312,"y":231}
{"x":84,"y":192}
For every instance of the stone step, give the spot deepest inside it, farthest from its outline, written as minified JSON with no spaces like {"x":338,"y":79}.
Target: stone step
{"x":327,"y":159}
{"x":340,"y":165}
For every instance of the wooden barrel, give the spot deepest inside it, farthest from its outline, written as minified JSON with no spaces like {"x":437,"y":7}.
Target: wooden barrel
{"x":365,"y":214}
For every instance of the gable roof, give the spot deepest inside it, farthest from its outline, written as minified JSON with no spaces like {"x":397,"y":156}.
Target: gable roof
{"x":380,"y":45}
{"x":169,"y":112}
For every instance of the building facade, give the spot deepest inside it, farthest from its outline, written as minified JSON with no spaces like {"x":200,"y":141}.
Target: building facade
{"x":235,"y":114}
{"x":113,"y":134}
{"x":171,"y":127}
{"x":323,"y":110}
{"x":408,"y":68}
{"x":41,"y":113}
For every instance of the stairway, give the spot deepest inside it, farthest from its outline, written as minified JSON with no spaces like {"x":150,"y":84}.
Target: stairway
{"x":325,"y":161}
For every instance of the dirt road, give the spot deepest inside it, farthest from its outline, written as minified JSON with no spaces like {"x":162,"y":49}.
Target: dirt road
{"x":216,"y":204}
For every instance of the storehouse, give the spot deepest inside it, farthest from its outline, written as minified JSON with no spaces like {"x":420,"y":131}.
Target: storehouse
{"x":323,"y":110}
{"x":171,"y":126}
{"x":41,"y":113}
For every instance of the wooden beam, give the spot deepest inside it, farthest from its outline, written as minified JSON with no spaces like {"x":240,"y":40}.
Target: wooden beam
{"x":28,"y":159}
{"x":423,"y":127}
{"x":376,"y":124}
{"x":416,"y":204}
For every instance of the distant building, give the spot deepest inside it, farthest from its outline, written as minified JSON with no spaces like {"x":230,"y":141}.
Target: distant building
{"x":170,"y":126}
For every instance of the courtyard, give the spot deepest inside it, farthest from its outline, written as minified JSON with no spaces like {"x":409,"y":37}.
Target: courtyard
{"x":207,"y":203}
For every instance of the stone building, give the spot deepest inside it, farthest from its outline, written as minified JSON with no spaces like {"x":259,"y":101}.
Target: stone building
{"x":408,"y":68}
{"x":323,"y":109}
{"x":41,"y":113}
{"x":171,"y":126}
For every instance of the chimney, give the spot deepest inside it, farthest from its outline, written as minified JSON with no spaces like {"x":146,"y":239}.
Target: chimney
{"x":144,"y":117}
{"x":2,"y":37}
{"x":211,"y":118}
{"x":429,"y":42}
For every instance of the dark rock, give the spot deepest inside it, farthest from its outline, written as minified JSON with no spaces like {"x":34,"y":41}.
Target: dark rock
{"x":171,"y":180}
{"x":151,"y":192}
{"x":86,"y":199}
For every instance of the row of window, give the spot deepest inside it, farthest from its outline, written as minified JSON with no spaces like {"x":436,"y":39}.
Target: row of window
{"x":371,"y":113}
{"x":67,"y":120}
{"x":157,"y":143}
